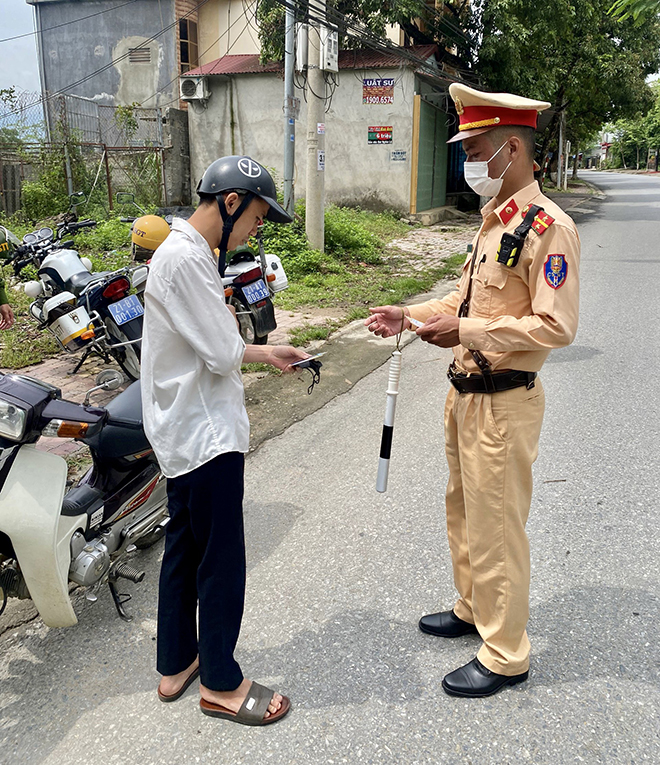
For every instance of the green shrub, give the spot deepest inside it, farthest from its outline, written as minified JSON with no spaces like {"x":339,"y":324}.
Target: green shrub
{"x":347,"y":239}
{"x":109,"y":234}
{"x":39,"y":200}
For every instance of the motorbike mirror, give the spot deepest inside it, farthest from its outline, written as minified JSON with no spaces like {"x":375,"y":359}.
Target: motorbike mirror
{"x":106,"y":379}
{"x":77,"y":198}
{"x":127,"y":198}
{"x":110,"y":379}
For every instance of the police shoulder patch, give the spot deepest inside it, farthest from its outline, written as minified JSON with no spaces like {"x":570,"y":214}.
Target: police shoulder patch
{"x":555,"y":271}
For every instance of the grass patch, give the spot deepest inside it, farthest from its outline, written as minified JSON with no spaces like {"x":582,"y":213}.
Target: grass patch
{"x":23,"y":344}
{"x":309,"y":332}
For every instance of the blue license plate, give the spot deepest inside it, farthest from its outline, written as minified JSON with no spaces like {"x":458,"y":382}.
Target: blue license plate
{"x":256,"y":291}
{"x":126,"y":309}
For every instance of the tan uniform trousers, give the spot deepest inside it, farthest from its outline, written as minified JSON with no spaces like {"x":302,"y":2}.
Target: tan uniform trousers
{"x":491,"y":444}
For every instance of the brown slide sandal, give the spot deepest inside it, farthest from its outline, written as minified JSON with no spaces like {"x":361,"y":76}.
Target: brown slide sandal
{"x":174,"y":696}
{"x":252,"y":710}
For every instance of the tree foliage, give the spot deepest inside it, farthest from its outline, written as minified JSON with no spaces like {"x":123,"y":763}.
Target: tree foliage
{"x":449,"y":25}
{"x":638,"y":10}
{"x":635,"y":136}
{"x":571,"y":53}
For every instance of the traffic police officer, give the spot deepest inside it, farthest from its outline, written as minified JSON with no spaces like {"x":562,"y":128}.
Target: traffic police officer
{"x":517,"y":299}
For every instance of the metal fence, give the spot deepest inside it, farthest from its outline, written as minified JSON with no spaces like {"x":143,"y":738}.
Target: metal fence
{"x":80,"y":145}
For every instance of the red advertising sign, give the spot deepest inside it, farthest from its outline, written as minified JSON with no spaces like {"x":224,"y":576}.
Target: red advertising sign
{"x":380,"y":134}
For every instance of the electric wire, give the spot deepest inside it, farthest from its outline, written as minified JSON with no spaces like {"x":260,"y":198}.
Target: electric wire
{"x":364,"y":36}
{"x":67,"y":23}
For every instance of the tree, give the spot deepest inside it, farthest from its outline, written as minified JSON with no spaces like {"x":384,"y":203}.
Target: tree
{"x":447,"y":25}
{"x":571,"y":53}
{"x":637,"y":137}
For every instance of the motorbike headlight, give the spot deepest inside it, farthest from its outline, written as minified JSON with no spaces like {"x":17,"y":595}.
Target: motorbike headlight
{"x":12,"y":421}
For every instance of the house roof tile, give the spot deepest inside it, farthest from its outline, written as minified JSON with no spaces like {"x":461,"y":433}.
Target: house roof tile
{"x":248,"y":63}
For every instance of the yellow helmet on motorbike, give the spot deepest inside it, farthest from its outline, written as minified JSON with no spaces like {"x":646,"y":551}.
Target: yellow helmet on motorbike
{"x":148,"y":233}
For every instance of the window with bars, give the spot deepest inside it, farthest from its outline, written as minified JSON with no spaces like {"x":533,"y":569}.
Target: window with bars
{"x":188,"y":45}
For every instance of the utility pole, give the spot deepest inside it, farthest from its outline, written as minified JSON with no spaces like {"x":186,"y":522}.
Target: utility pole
{"x":315,"y":194}
{"x":560,"y":152}
{"x":289,"y":108}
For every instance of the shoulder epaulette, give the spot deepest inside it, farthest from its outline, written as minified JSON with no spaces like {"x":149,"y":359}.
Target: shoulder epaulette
{"x":542,"y":222}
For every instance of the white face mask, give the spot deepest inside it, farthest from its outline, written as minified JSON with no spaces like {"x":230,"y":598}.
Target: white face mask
{"x":477,"y":178}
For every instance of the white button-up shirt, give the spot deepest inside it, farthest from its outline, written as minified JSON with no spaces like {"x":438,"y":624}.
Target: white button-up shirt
{"x":192,"y":391}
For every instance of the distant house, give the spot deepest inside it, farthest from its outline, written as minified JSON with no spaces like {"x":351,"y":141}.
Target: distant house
{"x":383,"y":151}
{"x":117,"y":53}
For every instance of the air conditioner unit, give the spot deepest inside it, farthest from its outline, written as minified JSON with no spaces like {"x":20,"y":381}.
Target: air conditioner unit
{"x":194,"y":88}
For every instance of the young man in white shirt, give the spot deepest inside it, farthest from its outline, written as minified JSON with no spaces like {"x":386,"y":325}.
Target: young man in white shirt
{"x":195,"y":419}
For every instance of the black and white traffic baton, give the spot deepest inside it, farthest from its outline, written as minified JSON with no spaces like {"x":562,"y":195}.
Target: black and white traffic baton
{"x":388,"y":424}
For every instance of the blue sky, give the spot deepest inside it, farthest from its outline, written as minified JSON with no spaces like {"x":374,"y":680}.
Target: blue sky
{"x":18,"y":58}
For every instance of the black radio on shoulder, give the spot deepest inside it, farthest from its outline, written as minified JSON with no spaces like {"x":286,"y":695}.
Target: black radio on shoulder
{"x":508,"y":253}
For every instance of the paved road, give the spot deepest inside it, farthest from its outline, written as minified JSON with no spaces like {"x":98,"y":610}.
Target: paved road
{"x":339,"y":574}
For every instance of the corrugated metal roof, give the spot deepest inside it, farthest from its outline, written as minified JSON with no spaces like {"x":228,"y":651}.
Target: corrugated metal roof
{"x":247,"y":63}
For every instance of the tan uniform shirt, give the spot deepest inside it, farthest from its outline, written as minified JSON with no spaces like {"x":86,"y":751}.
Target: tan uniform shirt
{"x":517,"y":315}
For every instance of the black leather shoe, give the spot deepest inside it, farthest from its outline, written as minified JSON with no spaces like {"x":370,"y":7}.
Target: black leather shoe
{"x":475,"y":681}
{"x":446,"y":624}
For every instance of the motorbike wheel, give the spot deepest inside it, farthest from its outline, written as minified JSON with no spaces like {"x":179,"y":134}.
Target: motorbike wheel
{"x":126,"y":356}
{"x":246,"y":324}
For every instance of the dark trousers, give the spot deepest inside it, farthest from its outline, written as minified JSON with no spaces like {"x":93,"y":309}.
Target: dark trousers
{"x":204,"y":562}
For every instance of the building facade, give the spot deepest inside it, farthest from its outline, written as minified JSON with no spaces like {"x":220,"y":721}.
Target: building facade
{"x":386,"y":127}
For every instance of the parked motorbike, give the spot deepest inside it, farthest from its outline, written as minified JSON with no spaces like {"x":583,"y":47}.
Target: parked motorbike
{"x":50,"y":540}
{"x":83,"y":310}
{"x":250,"y":280}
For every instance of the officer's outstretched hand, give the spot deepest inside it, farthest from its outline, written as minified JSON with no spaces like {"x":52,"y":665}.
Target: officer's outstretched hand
{"x":441,"y":330}
{"x":385,"y":320}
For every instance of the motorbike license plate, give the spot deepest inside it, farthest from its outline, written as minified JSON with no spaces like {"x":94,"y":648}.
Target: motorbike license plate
{"x":126,"y":309}
{"x":256,"y":291}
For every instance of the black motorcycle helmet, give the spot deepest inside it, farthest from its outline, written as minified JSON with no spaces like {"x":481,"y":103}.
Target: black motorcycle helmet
{"x":244,"y":176}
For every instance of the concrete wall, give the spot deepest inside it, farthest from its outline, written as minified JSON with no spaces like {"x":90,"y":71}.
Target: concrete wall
{"x":227,"y":26}
{"x":176,"y":157}
{"x":244,"y":116}
{"x":78,"y":49}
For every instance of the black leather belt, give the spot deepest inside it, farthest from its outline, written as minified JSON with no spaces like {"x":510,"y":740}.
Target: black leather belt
{"x":489,"y":383}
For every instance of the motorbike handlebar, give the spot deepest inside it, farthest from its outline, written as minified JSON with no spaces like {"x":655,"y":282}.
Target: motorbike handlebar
{"x":128,"y":220}
{"x":19,"y":265}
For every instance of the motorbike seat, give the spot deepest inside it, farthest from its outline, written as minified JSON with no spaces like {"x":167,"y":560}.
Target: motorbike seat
{"x":122,"y":433}
{"x":82,"y":500}
{"x":76,"y":283}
